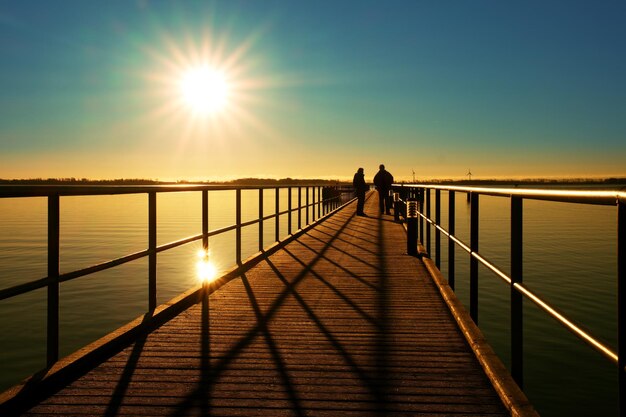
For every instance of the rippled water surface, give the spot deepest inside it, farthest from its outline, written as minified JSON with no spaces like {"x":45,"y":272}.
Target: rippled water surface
{"x":569,"y":259}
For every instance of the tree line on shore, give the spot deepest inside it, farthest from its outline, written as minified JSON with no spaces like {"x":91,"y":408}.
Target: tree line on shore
{"x":295,"y":181}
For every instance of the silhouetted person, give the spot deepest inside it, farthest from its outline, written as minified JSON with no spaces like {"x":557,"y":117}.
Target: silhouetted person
{"x":383,"y":180}
{"x":359,"y":188}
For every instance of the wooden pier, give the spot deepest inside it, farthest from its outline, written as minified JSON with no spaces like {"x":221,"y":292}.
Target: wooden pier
{"x":338,"y":322}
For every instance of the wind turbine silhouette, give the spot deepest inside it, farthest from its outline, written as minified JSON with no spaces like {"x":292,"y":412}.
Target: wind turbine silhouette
{"x":469,"y":174}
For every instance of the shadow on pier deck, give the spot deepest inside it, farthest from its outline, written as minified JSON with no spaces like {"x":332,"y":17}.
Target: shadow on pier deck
{"x":339,"y":322}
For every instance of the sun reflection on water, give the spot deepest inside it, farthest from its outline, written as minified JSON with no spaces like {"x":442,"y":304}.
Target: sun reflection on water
{"x":206,"y":269}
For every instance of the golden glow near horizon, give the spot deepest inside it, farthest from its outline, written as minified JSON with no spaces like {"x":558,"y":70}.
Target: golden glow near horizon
{"x":206,"y":270}
{"x":204,"y":89}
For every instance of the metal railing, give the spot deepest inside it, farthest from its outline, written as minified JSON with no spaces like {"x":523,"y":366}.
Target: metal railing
{"x":422,"y":194}
{"x":325,"y":199}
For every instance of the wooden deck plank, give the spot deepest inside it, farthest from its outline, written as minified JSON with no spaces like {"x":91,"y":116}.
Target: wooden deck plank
{"x":339,"y":322}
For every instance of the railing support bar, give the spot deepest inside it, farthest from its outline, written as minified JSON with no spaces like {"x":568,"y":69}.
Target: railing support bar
{"x":451,"y":230}
{"x":152,"y":245}
{"x":621,"y":302}
{"x":238,"y":229}
{"x":299,"y":207}
{"x":261,"y":219}
{"x":437,"y":232}
{"x":319,"y":202}
{"x":427,"y":191}
{"x":53,"y":288}
{"x":420,"y":193}
{"x":277,"y":223}
{"x":205,"y":220}
{"x":473,"y":260}
{"x":428,"y":248}
{"x":517,"y":312}
{"x":289,"y":208}
{"x":306,"y":202}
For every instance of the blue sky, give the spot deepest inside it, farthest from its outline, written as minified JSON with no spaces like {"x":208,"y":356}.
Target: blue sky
{"x":508,"y":89}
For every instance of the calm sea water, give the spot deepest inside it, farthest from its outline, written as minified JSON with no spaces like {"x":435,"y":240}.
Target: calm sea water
{"x":569,"y":259}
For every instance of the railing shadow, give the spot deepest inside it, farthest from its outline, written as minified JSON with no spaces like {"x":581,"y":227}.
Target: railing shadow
{"x":309,"y":260}
{"x":210,"y":375}
{"x":131,"y":364}
{"x":374,"y":379}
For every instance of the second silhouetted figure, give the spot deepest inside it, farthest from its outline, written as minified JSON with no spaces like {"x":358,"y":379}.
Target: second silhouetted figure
{"x":360,"y":187}
{"x":383,"y":180}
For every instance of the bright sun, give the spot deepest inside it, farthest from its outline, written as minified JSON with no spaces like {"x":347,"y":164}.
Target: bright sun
{"x":204,"y":89}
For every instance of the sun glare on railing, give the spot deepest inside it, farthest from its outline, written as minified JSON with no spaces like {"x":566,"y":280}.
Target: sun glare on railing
{"x":206,"y":269}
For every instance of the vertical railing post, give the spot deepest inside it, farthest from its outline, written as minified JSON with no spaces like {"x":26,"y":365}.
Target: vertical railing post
{"x":427,"y":191}
{"x":319,"y":202}
{"x":396,"y":208}
{"x":517,"y":312}
{"x":411,"y":227}
{"x":421,"y":192}
{"x":621,"y":302}
{"x":289,"y":208}
{"x":277,"y":223}
{"x":299,"y":207}
{"x":261,"y":219}
{"x":306,"y":202}
{"x":437,"y":232}
{"x":238,"y":223}
{"x":313,"y":204}
{"x":205,"y":221}
{"x":52,"y":350}
{"x":451,"y":230}
{"x":152,"y":253}
{"x":473,"y":260}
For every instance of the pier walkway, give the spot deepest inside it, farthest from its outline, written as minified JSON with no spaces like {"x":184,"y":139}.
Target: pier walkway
{"x":339,"y":322}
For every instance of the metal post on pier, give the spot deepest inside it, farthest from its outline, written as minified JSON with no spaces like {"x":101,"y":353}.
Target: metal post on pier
{"x":451,"y":230}
{"x":205,"y":238}
{"x":238,"y":224}
{"x":473,"y":260}
{"x":313,"y":203}
{"x":52,"y":350}
{"x":420,"y":196}
{"x":621,"y":302}
{"x":299,"y":207}
{"x":306,"y":202}
{"x":261,"y":219}
{"x":411,"y":227}
{"x":205,"y":221}
{"x":152,"y":256}
{"x":437,"y":232}
{"x":289,"y":208}
{"x":396,"y":207}
{"x":427,"y":191}
{"x":277,"y":223}
{"x":319,"y":202}
{"x":517,"y":313}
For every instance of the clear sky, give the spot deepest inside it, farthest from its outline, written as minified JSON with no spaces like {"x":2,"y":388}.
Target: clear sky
{"x":316,"y":89}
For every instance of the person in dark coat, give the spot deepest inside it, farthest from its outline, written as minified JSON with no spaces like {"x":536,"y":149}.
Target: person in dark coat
{"x":383,"y":180}
{"x":360,"y":187}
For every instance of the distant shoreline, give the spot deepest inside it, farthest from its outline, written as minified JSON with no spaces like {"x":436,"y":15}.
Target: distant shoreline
{"x":594,"y":182}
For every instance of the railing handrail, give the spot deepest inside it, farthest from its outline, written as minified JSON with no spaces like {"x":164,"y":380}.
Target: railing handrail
{"x":45,"y":190}
{"x":522,"y":289}
{"x":601,"y":197}
{"x":322,"y":204}
{"x":421,"y":193}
